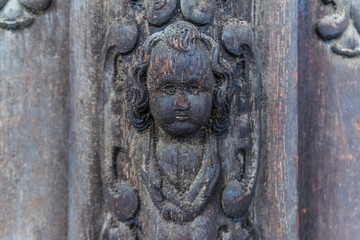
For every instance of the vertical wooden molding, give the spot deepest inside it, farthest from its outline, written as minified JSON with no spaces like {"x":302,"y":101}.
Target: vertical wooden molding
{"x":34,"y":128}
{"x":276,"y":208}
{"x":86,"y":38}
{"x":329,"y":127}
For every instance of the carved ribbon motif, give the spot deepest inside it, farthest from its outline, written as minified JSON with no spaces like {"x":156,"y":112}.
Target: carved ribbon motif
{"x":343,"y":26}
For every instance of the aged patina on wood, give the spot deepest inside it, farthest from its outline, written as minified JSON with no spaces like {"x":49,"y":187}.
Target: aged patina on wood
{"x":182,"y":123}
{"x":329,"y":119}
{"x":35,"y":111}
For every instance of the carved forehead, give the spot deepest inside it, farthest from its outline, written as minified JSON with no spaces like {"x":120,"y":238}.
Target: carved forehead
{"x":169,"y":61}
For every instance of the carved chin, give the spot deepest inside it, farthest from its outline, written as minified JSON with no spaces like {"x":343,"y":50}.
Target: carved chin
{"x":180,"y":128}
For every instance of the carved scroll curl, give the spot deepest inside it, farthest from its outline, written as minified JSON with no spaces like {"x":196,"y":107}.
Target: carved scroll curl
{"x":343,"y":27}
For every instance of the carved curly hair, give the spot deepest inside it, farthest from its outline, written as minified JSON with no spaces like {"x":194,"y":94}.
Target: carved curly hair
{"x":183,"y":36}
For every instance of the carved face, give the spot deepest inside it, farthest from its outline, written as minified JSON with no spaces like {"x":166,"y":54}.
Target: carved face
{"x":180,"y":86}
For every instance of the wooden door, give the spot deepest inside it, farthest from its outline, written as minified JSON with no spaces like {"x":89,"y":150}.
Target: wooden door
{"x":179,"y":119}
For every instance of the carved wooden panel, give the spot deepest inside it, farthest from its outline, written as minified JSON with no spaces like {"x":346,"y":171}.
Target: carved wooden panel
{"x":182,"y":121}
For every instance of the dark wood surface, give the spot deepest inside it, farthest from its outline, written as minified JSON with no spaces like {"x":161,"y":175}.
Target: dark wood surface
{"x":56,"y":122}
{"x":329,"y":133}
{"x":276,"y":209}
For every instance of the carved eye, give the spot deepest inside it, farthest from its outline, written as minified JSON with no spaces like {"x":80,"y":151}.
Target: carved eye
{"x":193,"y":89}
{"x":169,"y":89}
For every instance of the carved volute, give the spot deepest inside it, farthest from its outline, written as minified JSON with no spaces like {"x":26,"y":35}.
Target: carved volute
{"x":182,"y":123}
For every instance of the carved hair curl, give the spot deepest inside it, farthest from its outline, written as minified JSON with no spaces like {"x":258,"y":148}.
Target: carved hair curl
{"x":183,"y":37}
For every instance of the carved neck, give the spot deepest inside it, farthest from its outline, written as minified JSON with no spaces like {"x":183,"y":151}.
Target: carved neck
{"x":179,"y":159}
{"x":195,"y":139}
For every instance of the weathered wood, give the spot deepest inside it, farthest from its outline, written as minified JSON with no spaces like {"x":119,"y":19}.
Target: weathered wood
{"x":34,"y":127}
{"x":113,"y":188}
{"x":329,"y":122}
{"x":86,"y":39}
{"x":276,"y":208}
{"x":182,"y":126}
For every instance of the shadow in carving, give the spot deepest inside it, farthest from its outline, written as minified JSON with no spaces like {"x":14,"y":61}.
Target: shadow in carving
{"x":343,"y":26}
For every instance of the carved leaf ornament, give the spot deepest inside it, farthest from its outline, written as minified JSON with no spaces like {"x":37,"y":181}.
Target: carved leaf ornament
{"x":343,"y":27}
{"x":18,"y":14}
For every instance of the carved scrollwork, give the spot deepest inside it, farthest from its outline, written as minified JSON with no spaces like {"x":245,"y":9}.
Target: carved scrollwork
{"x":182,"y":123}
{"x":160,"y":11}
{"x":343,"y":26}
{"x":198,"y":11}
{"x":122,"y":199}
{"x":18,"y":14}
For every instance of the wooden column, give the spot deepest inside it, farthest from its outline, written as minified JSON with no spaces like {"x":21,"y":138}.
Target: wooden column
{"x":329,"y":131}
{"x":34,"y":127}
{"x":86,"y":40}
{"x":276,"y":206}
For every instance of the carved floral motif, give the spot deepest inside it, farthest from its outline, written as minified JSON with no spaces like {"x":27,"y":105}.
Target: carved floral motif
{"x":17,"y":14}
{"x":343,"y":26}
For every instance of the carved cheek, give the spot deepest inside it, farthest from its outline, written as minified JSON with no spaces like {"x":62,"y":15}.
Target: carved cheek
{"x":161,"y":107}
{"x":201,"y":106}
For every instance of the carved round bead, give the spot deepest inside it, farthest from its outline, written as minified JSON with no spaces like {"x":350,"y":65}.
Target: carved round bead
{"x":123,"y":34}
{"x":39,"y":5}
{"x":236,"y":35}
{"x":123,"y":203}
{"x":198,"y":11}
{"x":234,"y":201}
{"x":160,"y":11}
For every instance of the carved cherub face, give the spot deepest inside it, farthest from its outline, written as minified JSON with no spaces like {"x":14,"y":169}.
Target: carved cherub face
{"x":180,"y":82}
{"x":180,"y":86}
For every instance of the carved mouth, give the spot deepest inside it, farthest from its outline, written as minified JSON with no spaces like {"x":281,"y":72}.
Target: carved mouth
{"x":181,"y":117}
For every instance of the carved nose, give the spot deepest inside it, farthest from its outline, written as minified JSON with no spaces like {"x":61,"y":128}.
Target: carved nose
{"x":181,"y":103}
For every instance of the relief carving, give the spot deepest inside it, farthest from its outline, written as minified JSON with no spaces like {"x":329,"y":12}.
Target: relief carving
{"x":18,"y":14}
{"x":343,"y":26}
{"x":182,"y":125}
